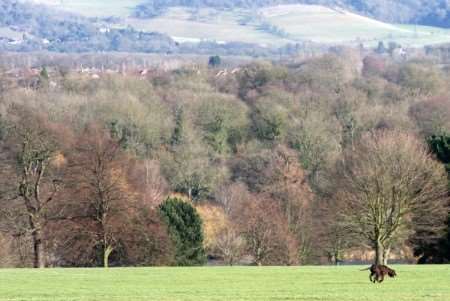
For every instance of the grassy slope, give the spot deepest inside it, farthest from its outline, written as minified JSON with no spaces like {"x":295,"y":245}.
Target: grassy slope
{"x":9,"y":33}
{"x":206,"y":24}
{"x":300,"y":22}
{"x":239,"y":283}
{"x":335,"y":26}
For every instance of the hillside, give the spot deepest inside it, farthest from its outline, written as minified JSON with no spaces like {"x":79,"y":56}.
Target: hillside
{"x":30,"y":27}
{"x":266,"y":26}
{"x":423,"y":12}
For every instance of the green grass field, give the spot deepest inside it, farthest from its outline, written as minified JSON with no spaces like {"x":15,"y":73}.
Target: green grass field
{"x":414,"y":283}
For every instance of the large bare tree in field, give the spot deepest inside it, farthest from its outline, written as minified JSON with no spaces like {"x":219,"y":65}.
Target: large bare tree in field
{"x":31,"y":178}
{"x":390,"y":187}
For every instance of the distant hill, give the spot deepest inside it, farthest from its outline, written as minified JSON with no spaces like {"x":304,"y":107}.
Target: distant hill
{"x":424,"y":12}
{"x":278,"y":25}
{"x":234,"y":27}
{"x":30,"y":27}
{"x":80,"y":26}
{"x":254,"y":22}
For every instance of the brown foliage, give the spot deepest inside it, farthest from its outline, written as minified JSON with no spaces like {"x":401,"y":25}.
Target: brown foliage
{"x":373,"y":65}
{"x":268,"y":239}
{"x":214,"y":221}
{"x":105,"y":216}
{"x":146,"y":242}
{"x":432,"y":115}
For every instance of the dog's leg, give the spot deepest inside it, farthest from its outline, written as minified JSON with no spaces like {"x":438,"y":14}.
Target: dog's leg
{"x":374,"y":277}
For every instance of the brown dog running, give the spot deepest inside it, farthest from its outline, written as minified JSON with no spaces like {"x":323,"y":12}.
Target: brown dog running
{"x":379,"y":271}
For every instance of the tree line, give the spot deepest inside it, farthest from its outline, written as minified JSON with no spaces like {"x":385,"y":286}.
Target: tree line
{"x":297,"y":163}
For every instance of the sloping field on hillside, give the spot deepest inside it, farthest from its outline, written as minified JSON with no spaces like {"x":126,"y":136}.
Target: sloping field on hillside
{"x":287,"y":23}
{"x":208,"y":24}
{"x":328,"y":25}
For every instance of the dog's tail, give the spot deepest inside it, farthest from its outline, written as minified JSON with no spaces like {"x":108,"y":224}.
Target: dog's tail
{"x":366,"y":269}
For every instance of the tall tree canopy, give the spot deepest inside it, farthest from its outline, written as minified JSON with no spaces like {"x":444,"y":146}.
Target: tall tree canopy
{"x":391,"y":188}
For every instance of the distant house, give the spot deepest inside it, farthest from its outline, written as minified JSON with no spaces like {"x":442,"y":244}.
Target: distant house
{"x":104,"y":30}
{"x":399,"y":53}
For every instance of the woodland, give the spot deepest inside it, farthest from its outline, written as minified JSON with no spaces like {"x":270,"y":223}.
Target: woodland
{"x":315,"y":161}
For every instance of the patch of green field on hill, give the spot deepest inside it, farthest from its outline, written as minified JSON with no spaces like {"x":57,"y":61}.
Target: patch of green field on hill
{"x":207,"y":24}
{"x":414,"y":283}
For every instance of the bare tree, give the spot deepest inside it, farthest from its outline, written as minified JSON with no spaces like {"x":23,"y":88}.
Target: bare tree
{"x":231,"y":245}
{"x":147,"y":181}
{"x":229,"y":195}
{"x":266,"y":232}
{"x":289,"y":186}
{"x":31,"y":168}
{"x":331,"y":237}
{"x":102,"y":198}
{"x":390,"y":188}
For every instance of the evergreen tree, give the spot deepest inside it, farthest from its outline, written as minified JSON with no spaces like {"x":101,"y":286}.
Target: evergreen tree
{"x":186,"y":230}
{"x":381,"y":48}
{"x":214,"y":61}
{"x":44,"y":73}
{"x":440,"y":146}
{"x":437,"y":251}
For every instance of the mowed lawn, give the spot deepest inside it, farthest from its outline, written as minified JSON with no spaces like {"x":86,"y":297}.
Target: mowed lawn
{"x":225,"y":283}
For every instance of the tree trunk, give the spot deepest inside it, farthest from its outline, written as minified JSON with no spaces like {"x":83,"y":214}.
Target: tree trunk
{"x":38,"y":252}
{"x":258,"y":257}
{"x":289,"y":215}
{"x":386,"y":255}
{"x":379,"y":253}
{"x":107,"y":251}
{"x":190,"y":194}
{"x":337,"y":255}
